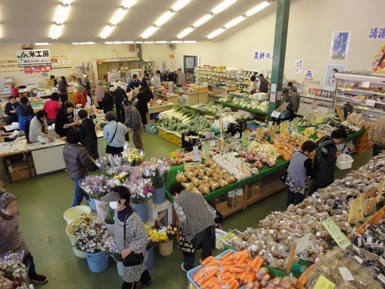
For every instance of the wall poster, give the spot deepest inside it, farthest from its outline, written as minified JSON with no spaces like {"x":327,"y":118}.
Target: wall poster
{"x":332,"y":69}
{"x":340,"y":45}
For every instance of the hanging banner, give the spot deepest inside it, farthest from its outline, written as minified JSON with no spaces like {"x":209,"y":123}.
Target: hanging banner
{"x":9,"y":64}
{"x":37,"y":69}
{"x":61,"y":61}
{"x":33,"y":57}
{"x":298,"y":66}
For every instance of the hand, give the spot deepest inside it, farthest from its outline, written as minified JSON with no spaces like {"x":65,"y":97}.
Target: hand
{"x":102,"y":205}
{"x":13,"y":111}
{"x":125,"y":253}
{"x":129,"y":129}
{"x":371,"y":143}
{"x":338,"y":154}
{"x":50,"y":136}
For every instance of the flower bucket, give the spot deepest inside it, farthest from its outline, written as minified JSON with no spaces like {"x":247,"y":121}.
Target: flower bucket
{"x":92,"y":204}
{"x":166,"y":248}
{"x":150,"y":260}
{"x":135,"y":173}
{"x":100,"y":211}
{"x":120,"y":268}
{"x":70,"y":234}
{"x":142,"y":211}
{"x":74,"y":213}
{"x":111,"y":229}
{"x":97,"y":262}
{"x":159,"y":195}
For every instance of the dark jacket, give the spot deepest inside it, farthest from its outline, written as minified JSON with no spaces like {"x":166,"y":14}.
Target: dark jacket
{"x":24,"y":110}
{"x":87,"y":131}
{"x":325,"y":162}
{"x":264,"y":86}
{"x":62,"y":122}
{"x":77,"y":160}
{"x":11,"y":117}
{"x":131,"y":84}
{"x":143,"y":100}
{"x":62,"y":87}
{"x":119,"y":96}
{"x":108,"y":102}
{"x":133,"y":119}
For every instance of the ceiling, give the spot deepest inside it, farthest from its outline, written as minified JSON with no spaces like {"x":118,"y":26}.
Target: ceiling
{"x":31,"y":21}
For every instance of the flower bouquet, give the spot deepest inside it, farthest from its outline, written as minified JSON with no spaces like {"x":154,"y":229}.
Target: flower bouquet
{"x":134,"y":157}
{"x":114,"y":252}
{"x":141,"y":190}
{"x":157,"y":170}
{"x":113,"y":165}
{"x":12,"y":270}
{"x":92,"y":236}
{"x":118,"y":180}
{"x":95,"y":186}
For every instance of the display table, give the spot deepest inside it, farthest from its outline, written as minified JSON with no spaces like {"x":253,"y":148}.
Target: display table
{"x":193,"y":97}
{"x":169,"y":97}
{"x":155,"y":109}
{"x":229,"y":104}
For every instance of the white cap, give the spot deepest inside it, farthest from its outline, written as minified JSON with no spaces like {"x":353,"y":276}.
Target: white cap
{"x":85,"y":75}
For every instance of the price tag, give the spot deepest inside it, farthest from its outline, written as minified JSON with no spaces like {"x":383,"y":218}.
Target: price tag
{"x":195,"y":153}
{"x":365,"y":84}
{"x":356,"y":211}
{"x":324,"y":283}
{"x":259,"y":133}
{"x":382,"y":278}
{"x":275,"y":114}
{"x":359,"y":260}
{"x":382,"y":260}
{"x":370,"y":102}
{"x":369,"y":240}
{"x":336,"y":233}
{"x":245,"y":139}
{"x":346,"y":274}
{"x":205,"y":150}
{"x":380,"y":190}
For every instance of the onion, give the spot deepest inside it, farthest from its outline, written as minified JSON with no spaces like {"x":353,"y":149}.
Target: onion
{"x":277,"y":282}
{"x":294,"y":281}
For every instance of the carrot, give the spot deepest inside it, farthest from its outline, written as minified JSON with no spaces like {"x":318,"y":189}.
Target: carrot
{"x":243,"y":258}
{"x":207,"y":260}
{"x":236,"y":270}
{"x":255,"y":261}
{"x":259,"y":265}
{"x":227,"y":255}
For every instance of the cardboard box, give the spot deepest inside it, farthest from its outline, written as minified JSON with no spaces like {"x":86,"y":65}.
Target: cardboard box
{"x":235,"y":198}
{"x":22,"y":175}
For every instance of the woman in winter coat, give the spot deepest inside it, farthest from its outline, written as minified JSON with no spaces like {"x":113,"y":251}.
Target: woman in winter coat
{"x":24,"y":112}
{"x":130,"y":237}
{"x":299,"y":170}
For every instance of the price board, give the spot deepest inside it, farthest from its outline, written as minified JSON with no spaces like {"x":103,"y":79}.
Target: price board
{"x":324,"y":283}
{"x":336,"y":233}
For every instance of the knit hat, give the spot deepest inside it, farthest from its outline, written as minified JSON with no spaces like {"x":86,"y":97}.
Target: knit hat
{"x":5,"y":199}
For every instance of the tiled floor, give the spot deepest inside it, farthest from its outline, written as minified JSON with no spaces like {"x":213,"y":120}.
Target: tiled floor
{"x":43,"y":201}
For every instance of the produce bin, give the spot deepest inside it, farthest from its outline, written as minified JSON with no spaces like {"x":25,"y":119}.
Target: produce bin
{"x":151,"y":128}
{"x":162,"y":132}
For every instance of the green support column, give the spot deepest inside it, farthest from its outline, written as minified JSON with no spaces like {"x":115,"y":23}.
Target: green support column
{"x":280,"y":39}
{"x":139,"y":51}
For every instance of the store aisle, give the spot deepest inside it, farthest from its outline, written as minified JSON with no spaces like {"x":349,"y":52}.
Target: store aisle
{"x":43,"y":201}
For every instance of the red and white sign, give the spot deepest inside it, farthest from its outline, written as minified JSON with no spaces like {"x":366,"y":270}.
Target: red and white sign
{"x":37,"y":69}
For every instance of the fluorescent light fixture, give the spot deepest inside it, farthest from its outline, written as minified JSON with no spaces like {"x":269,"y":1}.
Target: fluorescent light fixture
{"x":83,"y":43}
{"x":118,"y":42}
{"x":189,"y":41}
{"x":180,"y":4}
{"x":108,"y":42}
{"x":224,"y":5}
{"x":106,"y":32}
{"x":56,"y":30}
{"x":118,"y":16}
{"x":90,"y":43}
{"x":62,"y":14}
{"x":128,"y":3}
{"x":66,"y":2}
{"x":216,"y":33}
{"x":185,"y":32}
{"x":149,"y":42}
{"x":42,"y":43}
{"x":257,"y":8}
{"x":202,"y":20}
{"x":176,"y":41}
{"x":150,"y":30}
{"x":160,"y":42}
{"x":234,"y":22}
{"x":138,"y":42}
{"x":128,"y":42}
{"x":164,"y":18}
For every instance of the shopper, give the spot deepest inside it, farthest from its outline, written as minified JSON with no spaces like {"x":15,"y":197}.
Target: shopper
{"x":263,"y":84}
{"x":291,"y":96}
{"x":11,"y":240}
{"x":299,"y":170}
{"x":53,"y":78}
{"x":146,"y":79}
{"x":51,"y":107}
{"x":65,"y":119}
{"x":10,"y":110}
{"x":189,"y":77}
{"x":377,"y":136}
{"x":132,"y":82}
{"x":99,"y":94}
{"x":180,"y":78}
{"x":80,"y":96}
{"x":108,"y":101}
{"x":253,"y":84}
{"x":130,"y":237}
{"x":196,"y":219}
{"x":88,"y":135}
{"x":77,"y":162}
{"x":144,"y":97}
{"x":87,"y":85}
{"x":14,"y":90}
{"x":134,"y":123}
{"x":119,"y":96}
{"x":24,"y":112}
{"x":62,"y":87}
{"x":114,"y":134}
{"x":325,"y":160}
{"x":38,"y":129}
{"x":288,"y":91}
{"x":157,"y":79}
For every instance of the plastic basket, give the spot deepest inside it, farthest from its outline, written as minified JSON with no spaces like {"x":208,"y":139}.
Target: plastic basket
{"x":226,"y":238}
{"x":344,"y":162}
{"x":151,"y":128}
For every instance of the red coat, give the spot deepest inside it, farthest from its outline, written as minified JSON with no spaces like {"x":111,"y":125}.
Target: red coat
{"x":80,"y":98}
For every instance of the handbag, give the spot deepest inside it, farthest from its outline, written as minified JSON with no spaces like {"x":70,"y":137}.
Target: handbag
{"x":133,"y":259}
{"x":108,"y":147}
{"x":283,"y":177}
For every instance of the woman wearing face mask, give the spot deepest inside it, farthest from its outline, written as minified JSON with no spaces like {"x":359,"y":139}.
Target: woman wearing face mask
{"x":11,"y":241}
{"x":130,"y":237}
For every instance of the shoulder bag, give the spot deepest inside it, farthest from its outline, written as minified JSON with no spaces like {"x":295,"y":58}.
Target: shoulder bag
{"x":283,"y":177}
{"x":133,"y":259}
{"x":108,"y":147}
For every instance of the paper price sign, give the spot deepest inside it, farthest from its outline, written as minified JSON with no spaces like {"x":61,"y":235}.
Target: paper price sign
{"x":380,"y":190}
{"x":336,"y":234}
{"x":356,"y":211}
{"x":245,"y":139}
{"x":324,"y":283}
{"x":259,"y":133}
{"x":205,"y":150}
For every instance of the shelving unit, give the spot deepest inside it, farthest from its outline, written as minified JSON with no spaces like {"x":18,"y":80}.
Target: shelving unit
{"x":365,"y":92}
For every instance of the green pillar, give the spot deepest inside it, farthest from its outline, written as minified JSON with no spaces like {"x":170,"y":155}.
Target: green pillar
{"x":279,"y":52}
{"x":139,"y":51}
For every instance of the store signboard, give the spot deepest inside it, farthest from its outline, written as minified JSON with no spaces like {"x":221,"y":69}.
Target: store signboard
{"x":61,"y":61}
{"x":9,"y":64}
{"x":376,"y":33}
{"x":37,"y":69}
{"x":33,"y":57}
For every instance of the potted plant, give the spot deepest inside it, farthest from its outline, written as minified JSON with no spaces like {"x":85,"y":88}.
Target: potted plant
{"x":92,"y":238}
{"x":166,"y":245}
{"x":141,"y":190}
{"x":110,"y":219}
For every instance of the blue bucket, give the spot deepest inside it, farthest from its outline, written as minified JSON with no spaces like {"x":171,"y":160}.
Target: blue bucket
{"x":92,"y":204}
{"x":150,"y":261}
{"x":142,"y":211}
{"x":159,"y":195}
{"x":97,"y":262}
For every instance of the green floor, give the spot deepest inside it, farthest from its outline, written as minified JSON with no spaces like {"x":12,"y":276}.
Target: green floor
{"x":44,"y":199}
